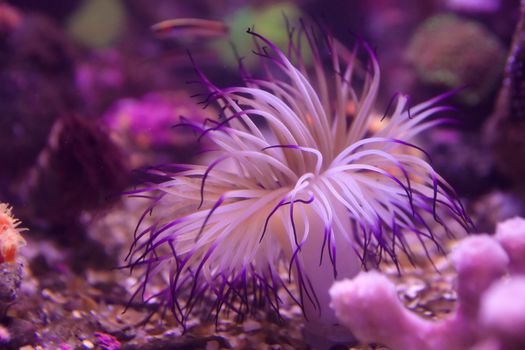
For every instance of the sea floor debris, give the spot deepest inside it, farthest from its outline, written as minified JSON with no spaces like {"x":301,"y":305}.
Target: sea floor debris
{"x":58,"y":308}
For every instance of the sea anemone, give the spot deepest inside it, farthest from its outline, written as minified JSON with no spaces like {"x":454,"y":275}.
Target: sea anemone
{"x":298,"y":181}
{"x":10,"y":238}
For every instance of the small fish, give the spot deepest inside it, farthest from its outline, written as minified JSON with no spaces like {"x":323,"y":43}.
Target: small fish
{"x":190,"y":28}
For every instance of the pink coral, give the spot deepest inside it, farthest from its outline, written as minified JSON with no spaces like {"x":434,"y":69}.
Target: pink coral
{"x":490,"y":307}
{"x":511,"y":235}
{"x":502,"y":312}
{"x":371,"y":293}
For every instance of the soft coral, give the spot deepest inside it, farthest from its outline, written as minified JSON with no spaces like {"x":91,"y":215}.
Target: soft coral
{"x":490,"y":307}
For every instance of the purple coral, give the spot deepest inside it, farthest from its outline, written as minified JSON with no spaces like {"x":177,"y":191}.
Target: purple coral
{"x":489,"y":311}
{"x":511,"y":235}
{"x":146,"y":125}
{"x":317,"y":193}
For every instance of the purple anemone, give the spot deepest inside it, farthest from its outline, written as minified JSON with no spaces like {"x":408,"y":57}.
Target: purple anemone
{"x":299,"y":181}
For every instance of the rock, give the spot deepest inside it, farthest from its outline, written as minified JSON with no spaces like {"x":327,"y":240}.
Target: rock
{"x":11,"y":277}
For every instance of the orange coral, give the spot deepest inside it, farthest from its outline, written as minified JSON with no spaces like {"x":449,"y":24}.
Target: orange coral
{"x":10,"y":237}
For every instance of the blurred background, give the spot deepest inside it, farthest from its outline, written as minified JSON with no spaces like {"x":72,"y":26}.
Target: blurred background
{"x":87,"y":85}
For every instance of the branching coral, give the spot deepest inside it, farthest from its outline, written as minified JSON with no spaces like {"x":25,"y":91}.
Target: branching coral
{"x":490,"y":309}
{"x":316,"y":192}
